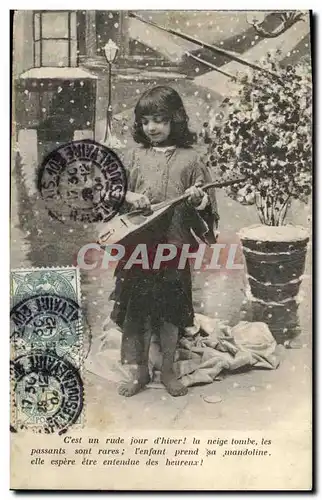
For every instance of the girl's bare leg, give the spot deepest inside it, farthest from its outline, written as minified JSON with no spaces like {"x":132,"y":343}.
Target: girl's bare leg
{"x":168,"y":340}
{"x":140,"y":379}
{"x":136,"y":340}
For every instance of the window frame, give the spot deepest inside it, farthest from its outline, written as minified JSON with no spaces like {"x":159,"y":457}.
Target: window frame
{"x":39,"y":40}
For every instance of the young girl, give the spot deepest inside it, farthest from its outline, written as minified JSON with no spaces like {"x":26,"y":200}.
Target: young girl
{"x":160,"y":301}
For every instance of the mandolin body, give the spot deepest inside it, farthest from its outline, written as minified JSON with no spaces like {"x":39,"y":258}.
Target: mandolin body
{"x":123,"y":228}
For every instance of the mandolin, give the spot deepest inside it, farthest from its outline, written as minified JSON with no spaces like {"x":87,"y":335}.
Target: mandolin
{"x":124,"y":227}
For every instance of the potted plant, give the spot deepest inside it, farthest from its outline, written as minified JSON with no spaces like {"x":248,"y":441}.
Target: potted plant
{"x":263,"y":134}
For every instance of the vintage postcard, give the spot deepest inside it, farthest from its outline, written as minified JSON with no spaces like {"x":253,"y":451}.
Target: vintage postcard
{"x":161,"y":250}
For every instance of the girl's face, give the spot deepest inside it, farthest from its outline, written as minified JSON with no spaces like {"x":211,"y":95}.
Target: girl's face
{"x":156,"y":128}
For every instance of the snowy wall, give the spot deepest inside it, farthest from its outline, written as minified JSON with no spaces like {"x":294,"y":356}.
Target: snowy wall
{"x":22,"y":42}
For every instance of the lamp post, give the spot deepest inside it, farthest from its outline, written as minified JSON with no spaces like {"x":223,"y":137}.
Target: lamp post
{"x":111,"y":50}
{"x":287,"y":20}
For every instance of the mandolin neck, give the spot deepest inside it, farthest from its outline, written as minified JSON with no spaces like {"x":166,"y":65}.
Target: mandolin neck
{"x":214,"y":184}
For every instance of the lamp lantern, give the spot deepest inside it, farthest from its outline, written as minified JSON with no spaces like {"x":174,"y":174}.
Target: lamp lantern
{"x":111,"y":50}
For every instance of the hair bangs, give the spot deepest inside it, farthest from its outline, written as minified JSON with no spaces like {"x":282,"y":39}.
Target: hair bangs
{"x":153,"y":102}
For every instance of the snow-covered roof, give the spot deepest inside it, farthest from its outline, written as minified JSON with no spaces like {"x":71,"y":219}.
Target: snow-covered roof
{"x":148,"y":75}
{"x":59,"y":73}
{"x":286,"y":42}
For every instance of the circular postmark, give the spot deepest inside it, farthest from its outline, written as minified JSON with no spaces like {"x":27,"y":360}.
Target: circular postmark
{"x":47,"y":321}
{"x":82,"y":181}
{"x":48,"y":392}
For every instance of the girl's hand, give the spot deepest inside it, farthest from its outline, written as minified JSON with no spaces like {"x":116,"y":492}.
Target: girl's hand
{"x":196,"y":195}
{"x":138,"y":201}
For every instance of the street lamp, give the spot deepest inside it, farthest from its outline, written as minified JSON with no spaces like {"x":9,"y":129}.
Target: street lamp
{"x":111,"y":50}
{"x":255,"y":17}
{"x":287,"y":20}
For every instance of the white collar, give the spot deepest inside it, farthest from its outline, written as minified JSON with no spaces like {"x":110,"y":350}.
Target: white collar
{"x":164,"y":149}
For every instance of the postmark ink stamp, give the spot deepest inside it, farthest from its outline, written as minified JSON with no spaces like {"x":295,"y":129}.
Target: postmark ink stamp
{"x":48,"y":322}
{"x":46,"y":312}
{"x":48,"y":393}
{"x":47,"y":339}
{"x":82,"y":181}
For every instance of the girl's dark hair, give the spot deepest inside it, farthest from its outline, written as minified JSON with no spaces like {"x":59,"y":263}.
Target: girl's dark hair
{"x":166,"y":102}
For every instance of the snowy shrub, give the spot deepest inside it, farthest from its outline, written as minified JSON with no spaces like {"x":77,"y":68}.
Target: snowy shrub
{"x":263,"y":134}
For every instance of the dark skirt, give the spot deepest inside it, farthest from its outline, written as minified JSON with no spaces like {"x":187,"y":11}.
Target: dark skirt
{"x":160,"y":295}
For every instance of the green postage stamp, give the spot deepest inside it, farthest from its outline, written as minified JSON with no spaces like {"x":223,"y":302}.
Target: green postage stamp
{"x":46,"y":348}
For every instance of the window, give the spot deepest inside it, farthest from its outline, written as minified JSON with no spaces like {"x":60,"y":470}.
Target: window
{"x":55,"y":39}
